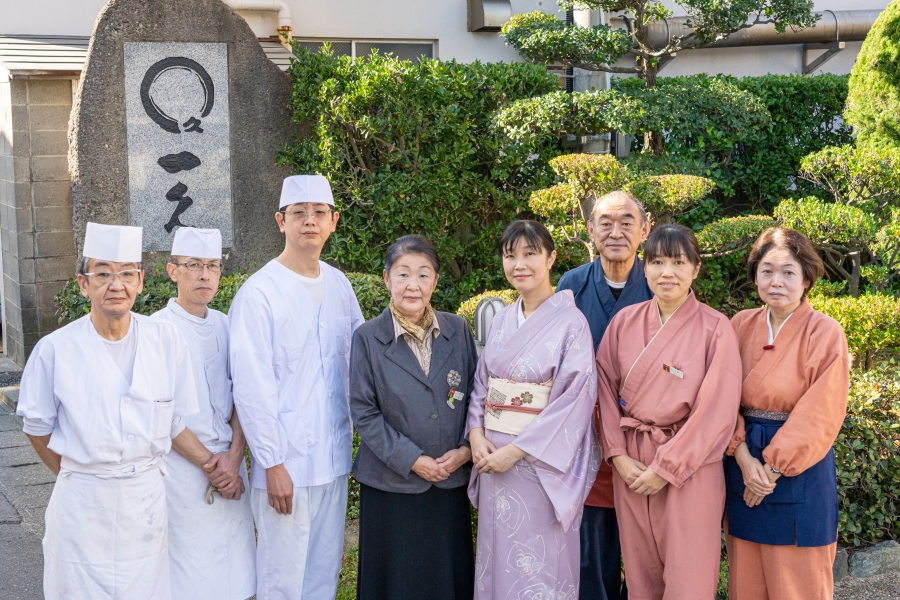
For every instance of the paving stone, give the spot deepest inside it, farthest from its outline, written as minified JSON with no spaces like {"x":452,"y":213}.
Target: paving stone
{"x":26,"y":474}
{"x":22,"y":564}
{"x":11,"y":439}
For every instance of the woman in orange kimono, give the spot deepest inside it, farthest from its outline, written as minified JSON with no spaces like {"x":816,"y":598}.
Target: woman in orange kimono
{"x":669,"y":388}
{"x":782,"y":505}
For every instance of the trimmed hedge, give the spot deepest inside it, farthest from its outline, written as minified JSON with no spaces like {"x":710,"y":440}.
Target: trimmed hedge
{"x":873,"y":104}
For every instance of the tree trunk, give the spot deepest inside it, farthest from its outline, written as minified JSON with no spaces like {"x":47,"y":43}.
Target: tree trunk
{"x":653,"y":141}
{"x":853,"y":282}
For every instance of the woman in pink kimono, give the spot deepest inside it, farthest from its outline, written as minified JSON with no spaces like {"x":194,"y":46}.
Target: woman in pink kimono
{"x":531,"y":430}
{"x":669,"y":382}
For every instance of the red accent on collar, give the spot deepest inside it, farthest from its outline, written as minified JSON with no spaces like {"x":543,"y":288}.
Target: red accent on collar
{"x":768,"y":347}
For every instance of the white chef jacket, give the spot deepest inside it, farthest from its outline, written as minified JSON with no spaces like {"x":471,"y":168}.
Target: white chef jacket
{"x":290,"y":365}
{"x":72,"y":384}
{"x":212,"y":423}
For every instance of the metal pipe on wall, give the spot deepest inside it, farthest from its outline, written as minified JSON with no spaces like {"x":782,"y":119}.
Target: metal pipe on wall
{"x":833,"y":26}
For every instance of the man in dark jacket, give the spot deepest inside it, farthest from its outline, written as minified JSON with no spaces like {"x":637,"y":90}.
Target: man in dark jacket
{"x":602,"y":288}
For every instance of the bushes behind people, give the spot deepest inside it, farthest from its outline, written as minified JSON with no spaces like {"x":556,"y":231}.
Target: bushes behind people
{"x":410,"y":148}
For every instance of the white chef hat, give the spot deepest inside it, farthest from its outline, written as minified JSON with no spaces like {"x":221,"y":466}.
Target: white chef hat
{"x":199,"y":243}
{"x":116,"y":243}
{"x":305,"y":188}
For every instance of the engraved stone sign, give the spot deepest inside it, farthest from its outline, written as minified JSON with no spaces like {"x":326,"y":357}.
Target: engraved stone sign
{"x":166,"y":86}
{"x":179,"y":156}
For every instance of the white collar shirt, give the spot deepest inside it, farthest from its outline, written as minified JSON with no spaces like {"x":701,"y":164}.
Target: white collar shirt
{"x":290,"y":361}
{"x":72,"y":384}
{"x":208,"y":342}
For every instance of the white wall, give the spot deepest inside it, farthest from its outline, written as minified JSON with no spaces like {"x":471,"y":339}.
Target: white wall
{"x":441,"y":21}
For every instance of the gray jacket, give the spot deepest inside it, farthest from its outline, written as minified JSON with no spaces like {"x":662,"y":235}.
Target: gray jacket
{"x":399,"y":412}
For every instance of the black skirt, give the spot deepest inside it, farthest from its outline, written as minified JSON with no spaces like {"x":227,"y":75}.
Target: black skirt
{"x":415,"y":546}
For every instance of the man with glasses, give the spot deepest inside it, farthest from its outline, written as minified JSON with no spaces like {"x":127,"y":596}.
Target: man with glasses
{"x":212,"y":545}
{"x":617,"y":227}
{"x":291,"y":326}
{"x":103,"y":399}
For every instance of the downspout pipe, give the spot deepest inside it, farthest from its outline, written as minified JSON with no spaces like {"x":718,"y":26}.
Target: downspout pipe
{"x":285,"y":20}
{"x":833,"y":26}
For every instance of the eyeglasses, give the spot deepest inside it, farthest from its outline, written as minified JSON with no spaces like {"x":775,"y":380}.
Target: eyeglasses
{"x":128,"y":277}
{"x":305,"y":214}
{"x":198,"y":266}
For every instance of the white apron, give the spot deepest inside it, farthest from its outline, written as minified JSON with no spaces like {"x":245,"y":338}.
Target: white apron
{"x":106,"y":536}
{"x":212,"y":547}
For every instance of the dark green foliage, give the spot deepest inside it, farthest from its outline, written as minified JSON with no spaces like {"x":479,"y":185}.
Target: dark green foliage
{"x":867,"y":452}
{"x":410,"y":148}
{"x":753,"y":166}
{"x":873,"y":104}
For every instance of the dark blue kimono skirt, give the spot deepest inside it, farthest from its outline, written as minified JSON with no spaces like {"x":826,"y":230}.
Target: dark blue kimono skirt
{"x":803,"y":509}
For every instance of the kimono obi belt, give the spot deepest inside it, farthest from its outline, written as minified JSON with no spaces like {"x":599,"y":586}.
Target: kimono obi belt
{"x":803,"y":509}
{"x":659,"y":433}
{"x":68,"y":466}
{"x":510,"y":407}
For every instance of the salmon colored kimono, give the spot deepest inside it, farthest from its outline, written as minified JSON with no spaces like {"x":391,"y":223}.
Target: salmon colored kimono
{"x":784,"y":548}
{"x":669,"y":397}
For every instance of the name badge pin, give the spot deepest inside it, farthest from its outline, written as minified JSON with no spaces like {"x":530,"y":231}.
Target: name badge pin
{"x":670,"y":369}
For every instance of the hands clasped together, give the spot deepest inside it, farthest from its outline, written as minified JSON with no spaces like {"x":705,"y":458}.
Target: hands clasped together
{"x":639,"y":477}
{"x":488,"y":458}
{"x":223,"y":471}
{"x":759,"y":479}
{"x":439,"y":469}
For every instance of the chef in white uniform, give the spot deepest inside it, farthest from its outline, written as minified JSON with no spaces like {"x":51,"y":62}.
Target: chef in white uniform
{"x":212,"y":547}
{"x":291,"y":326}
{"x":102,"y":399}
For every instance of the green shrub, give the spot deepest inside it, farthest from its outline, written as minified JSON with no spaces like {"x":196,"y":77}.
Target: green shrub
{"x":411,"y":148}
{"x":871,"y":322}
{"x":867,"y":452}
{"x":754,"y":165}
{"x":371,"y":293}
{"x":873,"y":103}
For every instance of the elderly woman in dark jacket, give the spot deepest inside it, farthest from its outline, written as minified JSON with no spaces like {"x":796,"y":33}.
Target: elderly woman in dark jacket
{"x":412,"y":370}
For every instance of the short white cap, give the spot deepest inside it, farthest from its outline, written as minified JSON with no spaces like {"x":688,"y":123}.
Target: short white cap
{"x":199,"y":243}
{"x":305,"y":188}
{"x":115,"y":243}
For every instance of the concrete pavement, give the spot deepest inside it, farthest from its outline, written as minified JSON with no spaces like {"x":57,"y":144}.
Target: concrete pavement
{"x":25,"y":486}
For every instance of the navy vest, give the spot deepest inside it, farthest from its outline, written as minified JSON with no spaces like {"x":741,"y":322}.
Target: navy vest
{"x":803,"y":509}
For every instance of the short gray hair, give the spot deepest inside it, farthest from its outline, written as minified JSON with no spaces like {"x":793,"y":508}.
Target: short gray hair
{"x":621,"y":195}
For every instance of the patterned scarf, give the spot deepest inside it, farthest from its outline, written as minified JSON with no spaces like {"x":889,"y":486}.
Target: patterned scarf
{"x":417,"y":330}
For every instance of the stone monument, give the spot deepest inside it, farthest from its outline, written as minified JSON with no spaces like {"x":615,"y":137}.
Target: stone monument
{"x":176,"y":122}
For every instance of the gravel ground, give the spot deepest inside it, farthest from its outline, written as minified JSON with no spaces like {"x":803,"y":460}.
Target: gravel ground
{"x":880,"y":587}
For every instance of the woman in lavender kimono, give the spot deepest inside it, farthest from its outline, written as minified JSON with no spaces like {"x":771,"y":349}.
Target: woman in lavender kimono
{"x":531,"y":430}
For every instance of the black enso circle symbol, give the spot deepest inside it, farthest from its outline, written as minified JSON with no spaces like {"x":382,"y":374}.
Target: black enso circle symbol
{"x":176,"y":62}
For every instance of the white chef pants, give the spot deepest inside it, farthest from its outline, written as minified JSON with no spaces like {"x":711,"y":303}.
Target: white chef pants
{"x":298,"y":556}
